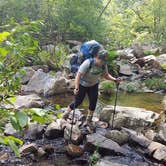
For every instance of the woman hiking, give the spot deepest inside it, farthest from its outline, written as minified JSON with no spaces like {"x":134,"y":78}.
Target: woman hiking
{"x":87,"y":81}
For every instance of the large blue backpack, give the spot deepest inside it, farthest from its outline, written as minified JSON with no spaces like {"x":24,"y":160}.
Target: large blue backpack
{"x":87,"y":51}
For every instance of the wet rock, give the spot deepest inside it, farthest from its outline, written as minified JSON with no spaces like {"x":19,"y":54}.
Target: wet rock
{"x":54,"y":130}
{"x":30,"y":148}
{"x":46,"y":84}
{"x":140,"y":139}
{"x":129,"y":117}
{"x":76,"y":137}
{"x":9,"y":130}
{"x":49,"y":149}
{"x":74,"y":150}
{"x":121,"y":137}
{"x":34,"y":131}
{"x":104,"y":145}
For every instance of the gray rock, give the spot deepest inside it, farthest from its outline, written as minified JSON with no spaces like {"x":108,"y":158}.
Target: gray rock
{"x":46,"y":84}
{"x":54,"y":130}
{"x":9,"y":130}
{"x":137,"y":138}
{"x":34,"y":131}
{"x":27,"y":101}
{"x":125,"y":68}
{"x":103,"y":144}
{"x":162,"y":59}
{"x":74,"y":150}
{"x":161,"y":134}
{"x":30,"y":148}
{"x":4,"y":156}
{"x":129,"y":117}
{"x":76,"y":137}
{"x":121,"y":137}
{"x":120,"y":161}
{"x":138,"y":51}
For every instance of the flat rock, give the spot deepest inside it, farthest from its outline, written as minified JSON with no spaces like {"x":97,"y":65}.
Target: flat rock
{"x":105,"y":145}
{"x":121,"y":137}
{"x":137,"y":138}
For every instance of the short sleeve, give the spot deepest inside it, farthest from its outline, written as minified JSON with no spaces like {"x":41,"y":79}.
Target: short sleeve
{"x":84,"y":67}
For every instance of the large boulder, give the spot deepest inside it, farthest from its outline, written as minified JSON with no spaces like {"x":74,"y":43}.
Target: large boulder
{"x":124,"y":68}
{"x":46,"y":84}
{"x":130,"y":117}
{"x":104,"y":145}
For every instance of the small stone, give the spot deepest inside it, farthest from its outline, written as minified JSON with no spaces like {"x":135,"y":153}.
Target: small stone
{"x":41,"y":152}
{"x":74,"y":150}
{"x":30,"y":148}
{"x":4,"y":156}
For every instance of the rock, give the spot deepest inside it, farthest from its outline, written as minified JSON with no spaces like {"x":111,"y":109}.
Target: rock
{"x":162,"y":59}
{"x":103,"y":144}
{"x":27,"y":101}
{"x":150,"y":134}
{"x":101,"y":124}
{"x":129,"y":117}
{"x":161,"y":134}
{"x":121,"y":137}
{"x":48,"y":149}
{"x":125,"y":68}
{"x":157,"y":150}
{"x":120,"y":161}
{"x":34,"y":131}
{"x":9,"y":130}
{"x":125,"y":54}
{"x":137,"y":138}
{"x":74,"y":150}
{"x":76,"y":134}
{"x":41,"y":152}
{"x":30,"y":148}
{"x":46,"y":84}
{"x":54,"y":130}
{"x":44,"y":68}
{"x":29,"y":71}
{"x":4,"y":156}
{"x":164,"y":102}
{"x":138,"y":51}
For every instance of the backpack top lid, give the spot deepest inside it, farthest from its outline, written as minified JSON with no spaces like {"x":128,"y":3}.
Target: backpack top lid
{"x":90,"y":48}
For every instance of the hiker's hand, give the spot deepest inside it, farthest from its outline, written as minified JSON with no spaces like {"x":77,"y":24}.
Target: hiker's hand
{"x":118,"y":80}
{"x":76,"y":91}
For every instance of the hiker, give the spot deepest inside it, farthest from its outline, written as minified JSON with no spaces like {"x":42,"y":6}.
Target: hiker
{"x":87,"y":82}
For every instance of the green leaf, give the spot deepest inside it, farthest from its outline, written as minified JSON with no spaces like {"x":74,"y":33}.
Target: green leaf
{"x":14,"y":123}
{"x":16,"y":140}
{"x":57,"y":106}
{"x":22,"y":118}
{"x":38,"y":111}
{"x":59,"y":115}
{"x":12,"y":99}
{"x":3,"y":52}
{"x":39,"y":119}
{"x":3,"y":36}
{"x":14,"y":147}
{"x":2,"y":141}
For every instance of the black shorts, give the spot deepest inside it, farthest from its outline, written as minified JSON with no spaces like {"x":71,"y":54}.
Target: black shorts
{"x":92,"y":93}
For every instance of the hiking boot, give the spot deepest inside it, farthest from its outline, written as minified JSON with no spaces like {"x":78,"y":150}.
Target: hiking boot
{"x":88,"y":122}
{"x":65,"y":115}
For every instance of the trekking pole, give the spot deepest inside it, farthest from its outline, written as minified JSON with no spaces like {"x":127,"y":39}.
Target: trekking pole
{"x":117,"y":89}
{"x":72,"y":122}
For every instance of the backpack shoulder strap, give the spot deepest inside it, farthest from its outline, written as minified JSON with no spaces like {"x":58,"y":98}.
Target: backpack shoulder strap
{"x":91,"y":62}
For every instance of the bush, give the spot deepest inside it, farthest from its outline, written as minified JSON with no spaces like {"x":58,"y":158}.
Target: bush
{"x":155,"y":83}
{"x":107,"y":87}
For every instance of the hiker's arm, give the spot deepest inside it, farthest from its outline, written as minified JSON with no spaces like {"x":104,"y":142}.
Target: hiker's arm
{"x":109,"y":77}
{"x":77,"y":80}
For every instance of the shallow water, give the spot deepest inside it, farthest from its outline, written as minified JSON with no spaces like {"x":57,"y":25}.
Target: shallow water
{"x":149,"y":101}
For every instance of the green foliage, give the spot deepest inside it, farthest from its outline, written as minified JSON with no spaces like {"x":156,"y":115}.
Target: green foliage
{"x":39,"y":115}
{"x":163,"y":66}
{"x":155,"y":83}
{"x":56,"y":59}
{"x":107,"y":87}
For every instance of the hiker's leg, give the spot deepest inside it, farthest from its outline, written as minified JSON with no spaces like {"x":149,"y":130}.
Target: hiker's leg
{"x":78,"y":100}
{"x":93,"y":96}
